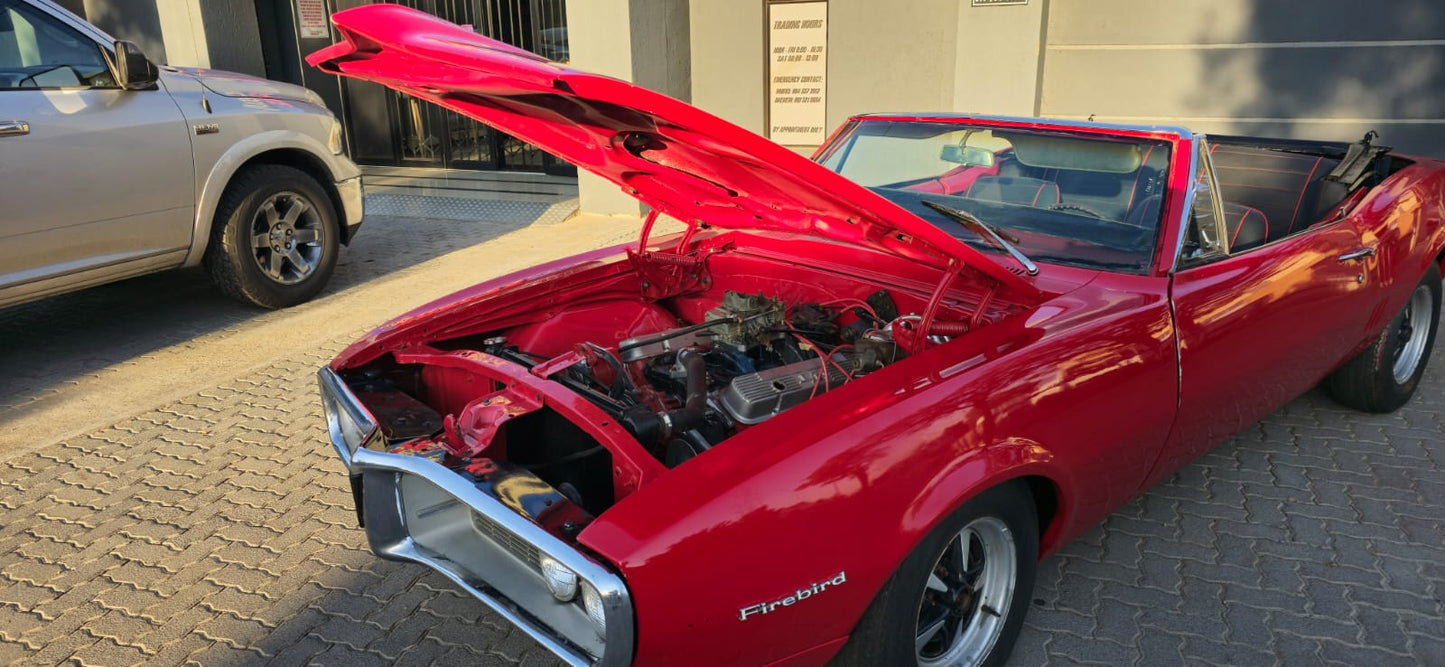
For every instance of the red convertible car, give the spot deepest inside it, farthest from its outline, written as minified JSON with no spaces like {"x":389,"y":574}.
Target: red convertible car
{"x":843,"y":415}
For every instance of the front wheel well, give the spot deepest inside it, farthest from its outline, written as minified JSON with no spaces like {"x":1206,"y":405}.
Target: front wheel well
{"x":312,"y":166}
{"x":1046,"y":500}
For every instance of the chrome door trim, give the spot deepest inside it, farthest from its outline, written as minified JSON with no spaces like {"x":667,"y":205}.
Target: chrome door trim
{"x":11,"y":128}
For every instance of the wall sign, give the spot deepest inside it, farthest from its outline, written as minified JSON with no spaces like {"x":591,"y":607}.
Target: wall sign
{"x":311,"y":19}
{"x":797,"y":73}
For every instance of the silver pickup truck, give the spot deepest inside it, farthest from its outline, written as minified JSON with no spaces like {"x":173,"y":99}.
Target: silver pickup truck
{"x":111,"y":167}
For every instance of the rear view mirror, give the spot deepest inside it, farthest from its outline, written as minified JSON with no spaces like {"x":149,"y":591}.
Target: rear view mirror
{"x":133,"y":70}
{"x":967,"y":156}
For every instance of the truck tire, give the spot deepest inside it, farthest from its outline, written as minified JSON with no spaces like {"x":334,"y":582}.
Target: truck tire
{"x":274,"y":239}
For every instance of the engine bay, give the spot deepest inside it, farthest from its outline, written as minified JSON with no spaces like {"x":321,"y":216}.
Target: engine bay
{"x":560,"y":404}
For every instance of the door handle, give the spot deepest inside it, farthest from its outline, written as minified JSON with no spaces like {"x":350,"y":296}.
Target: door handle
{"x":1357,"y":254}
{"x":13,"y":127}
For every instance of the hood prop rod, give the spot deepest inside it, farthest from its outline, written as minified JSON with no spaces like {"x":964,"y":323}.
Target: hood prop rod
{"x":646,"y":231}
{"x":955,"y":267}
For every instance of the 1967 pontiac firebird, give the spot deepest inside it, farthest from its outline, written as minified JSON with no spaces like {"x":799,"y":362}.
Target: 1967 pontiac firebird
{"x":843,"y":414}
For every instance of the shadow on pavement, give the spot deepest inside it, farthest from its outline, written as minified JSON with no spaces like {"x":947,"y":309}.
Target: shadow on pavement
{"x":49,"y":342}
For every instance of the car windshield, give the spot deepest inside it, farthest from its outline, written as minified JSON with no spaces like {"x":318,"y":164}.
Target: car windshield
{"x":1062,"y":197}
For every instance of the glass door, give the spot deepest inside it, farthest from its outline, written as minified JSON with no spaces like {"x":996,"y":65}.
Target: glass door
{"x":388,"y":127}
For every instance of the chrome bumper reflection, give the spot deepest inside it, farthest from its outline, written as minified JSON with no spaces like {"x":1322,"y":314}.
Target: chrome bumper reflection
{"x":419,"y":511}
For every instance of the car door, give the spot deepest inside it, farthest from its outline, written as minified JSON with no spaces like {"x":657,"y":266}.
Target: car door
{"x":1259,"y":327}
{"x":95,"y":180}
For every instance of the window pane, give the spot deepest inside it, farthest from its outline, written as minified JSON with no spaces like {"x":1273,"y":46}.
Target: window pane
{"x":36,"y":51}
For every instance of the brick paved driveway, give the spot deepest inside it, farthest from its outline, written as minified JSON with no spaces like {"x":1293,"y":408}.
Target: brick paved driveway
{"x":218,"y":529}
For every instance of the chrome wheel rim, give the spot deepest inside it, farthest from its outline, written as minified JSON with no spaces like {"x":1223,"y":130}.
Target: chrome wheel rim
{"x":1413,"y":330}
{"x":966,"y":599}
{"x":287,"y":238}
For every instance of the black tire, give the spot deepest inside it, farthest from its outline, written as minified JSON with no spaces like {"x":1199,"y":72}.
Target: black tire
{"x":245,"y":270}
{"x":887,"y":632}
{"x":1370,"y":382}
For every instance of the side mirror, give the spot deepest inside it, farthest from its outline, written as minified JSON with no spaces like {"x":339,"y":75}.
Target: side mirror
{"x":968,"y":156}
{"x":133,"y":70}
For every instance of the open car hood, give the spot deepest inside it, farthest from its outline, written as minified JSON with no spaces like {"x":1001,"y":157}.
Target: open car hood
{"x":676,"y":158}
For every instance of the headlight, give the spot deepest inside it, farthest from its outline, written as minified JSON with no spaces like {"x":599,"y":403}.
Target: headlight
{"x":334,"y":142}
{"x":560,"y":580}
{"x":592,"y":602}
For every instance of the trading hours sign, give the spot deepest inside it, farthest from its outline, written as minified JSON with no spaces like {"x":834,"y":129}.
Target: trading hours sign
{"x":797,"y":72}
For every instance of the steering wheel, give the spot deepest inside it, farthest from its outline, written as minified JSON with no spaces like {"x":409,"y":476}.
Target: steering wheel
{"x":1081,"y":209}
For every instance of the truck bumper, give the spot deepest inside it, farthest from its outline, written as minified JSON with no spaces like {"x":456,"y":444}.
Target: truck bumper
{"x":349,"y":192}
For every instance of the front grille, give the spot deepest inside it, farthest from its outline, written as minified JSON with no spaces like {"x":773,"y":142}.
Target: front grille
{"x":504,"y":538}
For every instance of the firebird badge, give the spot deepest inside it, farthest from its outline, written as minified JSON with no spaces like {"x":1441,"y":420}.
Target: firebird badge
{"x":797,"y":596}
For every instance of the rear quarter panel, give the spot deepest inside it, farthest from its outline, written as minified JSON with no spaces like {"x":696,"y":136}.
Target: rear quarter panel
{"x":1403,"y":218}
{"x":1080,"y":391}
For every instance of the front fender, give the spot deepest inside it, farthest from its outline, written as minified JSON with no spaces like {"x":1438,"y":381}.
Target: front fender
{"x":839,"y":491}
{"x":844,"y":486}
{"x":238,"y":154}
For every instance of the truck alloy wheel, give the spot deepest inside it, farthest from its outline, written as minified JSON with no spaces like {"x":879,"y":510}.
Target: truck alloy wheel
{"x":275,"y":239}
{"x":289,"y":237}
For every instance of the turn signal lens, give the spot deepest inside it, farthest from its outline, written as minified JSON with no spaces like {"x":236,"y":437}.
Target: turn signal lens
{"x":592,"y":602}
{"x":335,"y":142}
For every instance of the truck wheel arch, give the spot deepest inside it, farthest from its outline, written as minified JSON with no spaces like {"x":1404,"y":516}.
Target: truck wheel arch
{"x":289,"y":148}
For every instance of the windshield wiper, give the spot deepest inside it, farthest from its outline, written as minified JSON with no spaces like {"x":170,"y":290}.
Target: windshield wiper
{"x":988,"y":232}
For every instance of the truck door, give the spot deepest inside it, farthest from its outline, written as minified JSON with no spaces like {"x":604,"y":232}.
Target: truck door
{"x":93,"y":177}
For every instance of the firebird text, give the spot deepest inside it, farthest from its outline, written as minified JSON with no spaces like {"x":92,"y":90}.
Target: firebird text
{"x":797,"y":596}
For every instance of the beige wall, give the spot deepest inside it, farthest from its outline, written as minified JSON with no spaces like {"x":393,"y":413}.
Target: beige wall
{"x":882,"y":56}
{"x":1322,"y":69}
{"x":1326,"y":69}
{"x":890,"y":56}
{"x":728,"y":60}
{"x":643,"y":41}
{"x":998,"y":59}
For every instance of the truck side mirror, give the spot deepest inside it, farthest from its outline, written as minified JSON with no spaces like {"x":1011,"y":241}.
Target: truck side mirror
{"x":133,"y":70}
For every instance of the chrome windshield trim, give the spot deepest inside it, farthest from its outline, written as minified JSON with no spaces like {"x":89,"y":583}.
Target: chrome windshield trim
{"x":1196,"y":146}
{"x":1183,"y":132}
{"x":390,"y":537}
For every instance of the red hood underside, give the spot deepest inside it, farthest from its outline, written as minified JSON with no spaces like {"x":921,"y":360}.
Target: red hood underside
{"x":679,"y":160}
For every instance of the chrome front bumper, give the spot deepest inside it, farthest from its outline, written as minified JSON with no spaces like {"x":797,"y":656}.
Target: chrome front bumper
{"x":418,"y":510}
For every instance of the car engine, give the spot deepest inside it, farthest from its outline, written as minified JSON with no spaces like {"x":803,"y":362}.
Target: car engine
{"x":684,"y":390}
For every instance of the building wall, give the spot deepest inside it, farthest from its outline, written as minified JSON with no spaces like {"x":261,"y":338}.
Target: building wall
{"x":185,"y":33}
{"x":997,"y":63}
{"x":1325,"y":69}
{"x":233,"y":39}
{"x":890,"y":56}
{"x":137,"y":21}
{"x":728,"y":60}
{"x":642,"y":41}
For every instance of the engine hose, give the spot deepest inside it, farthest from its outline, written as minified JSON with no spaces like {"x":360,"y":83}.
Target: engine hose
{"x":690,"y":415}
